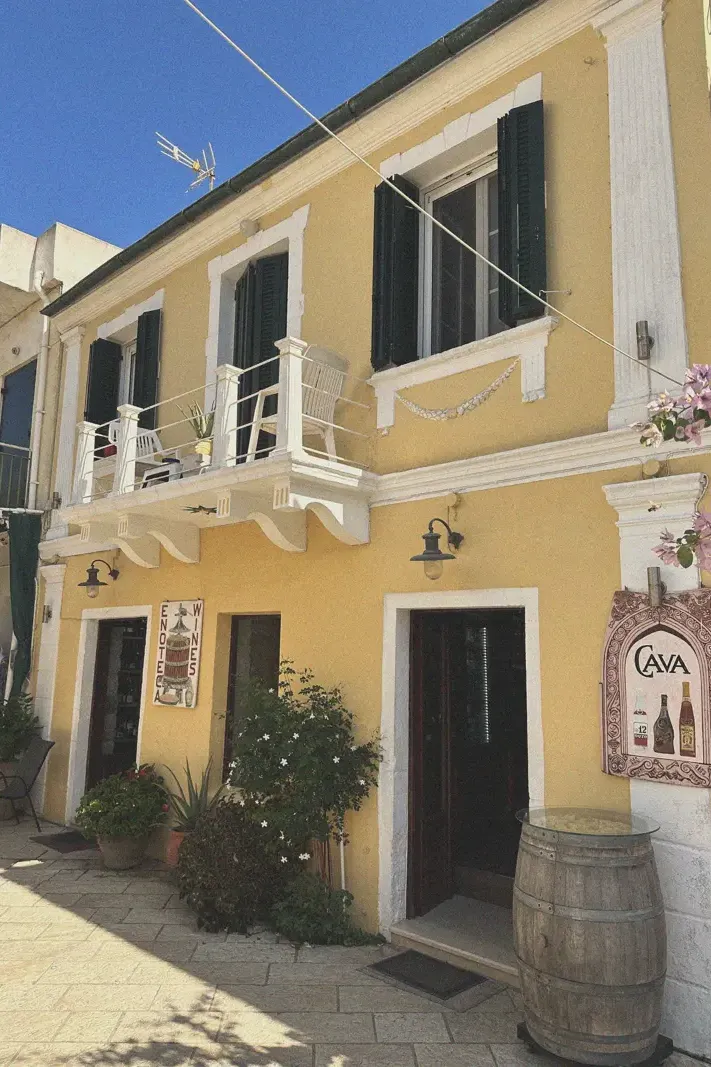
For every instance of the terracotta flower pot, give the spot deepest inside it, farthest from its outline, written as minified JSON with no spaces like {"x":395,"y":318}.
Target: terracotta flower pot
{"x":172,"y":848}
{"x":119,"y":853}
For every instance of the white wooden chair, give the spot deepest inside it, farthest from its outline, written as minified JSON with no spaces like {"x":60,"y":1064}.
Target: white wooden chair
{"x":323,"y":375}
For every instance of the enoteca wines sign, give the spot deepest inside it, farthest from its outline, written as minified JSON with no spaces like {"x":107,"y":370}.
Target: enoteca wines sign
{"x":178,"y":658}
{"x":656,"y":688}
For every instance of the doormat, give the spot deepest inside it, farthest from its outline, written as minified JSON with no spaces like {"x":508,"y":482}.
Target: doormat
{"x":427,"y":975}
{"x":64,"y":841}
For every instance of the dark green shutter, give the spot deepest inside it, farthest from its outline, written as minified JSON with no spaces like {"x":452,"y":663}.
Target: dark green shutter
{"x":260,"y":320}
{"x":102,"y":387}
{"x":396,"y":240}
{"x":522,"y":212}
{"x":145,"y":379}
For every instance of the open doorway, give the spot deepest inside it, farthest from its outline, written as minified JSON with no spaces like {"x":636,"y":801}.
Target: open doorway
{"x":468,"y":766}
{"x":117,"y":698}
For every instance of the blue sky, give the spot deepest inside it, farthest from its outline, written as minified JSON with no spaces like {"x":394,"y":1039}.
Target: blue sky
{"x":85,"y":83}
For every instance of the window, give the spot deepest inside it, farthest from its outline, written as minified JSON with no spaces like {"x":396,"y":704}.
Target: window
{"x":128,"y":372}
{"x":254,"y":656}
{"x":460,"y":294}
{"x":429,"y":294}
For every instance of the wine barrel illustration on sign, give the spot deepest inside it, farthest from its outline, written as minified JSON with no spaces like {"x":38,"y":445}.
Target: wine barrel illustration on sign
{"x":178,"y":657}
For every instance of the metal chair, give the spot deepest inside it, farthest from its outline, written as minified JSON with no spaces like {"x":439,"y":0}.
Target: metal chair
{"x":323,"y":375}
{"x":17,"y":786}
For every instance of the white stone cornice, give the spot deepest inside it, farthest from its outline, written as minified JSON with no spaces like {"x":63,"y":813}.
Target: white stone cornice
{"x":628,"y":17}
{"x":53,"y":573}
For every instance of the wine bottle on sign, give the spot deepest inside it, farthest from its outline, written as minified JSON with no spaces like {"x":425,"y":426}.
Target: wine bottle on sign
{"x":640,"y":730}
{"x":687,"y":723}
{"x":663,"y":730}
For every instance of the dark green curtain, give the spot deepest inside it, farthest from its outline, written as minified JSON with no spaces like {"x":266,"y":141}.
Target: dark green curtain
{"x":25,"y":532}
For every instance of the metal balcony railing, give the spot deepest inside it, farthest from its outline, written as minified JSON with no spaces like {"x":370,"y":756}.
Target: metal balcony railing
{"x":248,"y":425}
{"x":14,"y":475}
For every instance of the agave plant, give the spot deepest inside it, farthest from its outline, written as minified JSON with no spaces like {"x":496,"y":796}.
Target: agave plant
{"x":191,"y":803}
{"x":202,"y":422}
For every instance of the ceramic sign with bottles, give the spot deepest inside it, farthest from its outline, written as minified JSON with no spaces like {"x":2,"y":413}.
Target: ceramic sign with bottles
{"x":656,"y":688}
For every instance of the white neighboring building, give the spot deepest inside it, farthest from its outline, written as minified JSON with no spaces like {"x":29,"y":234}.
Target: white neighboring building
{"x":33,"y":271}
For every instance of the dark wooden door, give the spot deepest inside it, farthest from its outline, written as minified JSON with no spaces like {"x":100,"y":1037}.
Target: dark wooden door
{"x":116,"y":703}
{"x":468,"y":753}
{"x":430,"y":845}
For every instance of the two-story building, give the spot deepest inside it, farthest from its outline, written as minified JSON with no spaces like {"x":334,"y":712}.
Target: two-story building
{"x":348,"y":346}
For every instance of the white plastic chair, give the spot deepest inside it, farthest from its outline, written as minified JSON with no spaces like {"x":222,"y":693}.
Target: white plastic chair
{"x":323,"y":375}
{"x":147,"y":442}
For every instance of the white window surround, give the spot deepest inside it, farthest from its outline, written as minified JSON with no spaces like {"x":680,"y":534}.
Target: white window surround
{"x":527,"y":342}
{"x":84,"y":691}
{"x":460,"y":141}
{"x":225,"y":271}
{"x":123,"y":328}
{"x":393,"y":787}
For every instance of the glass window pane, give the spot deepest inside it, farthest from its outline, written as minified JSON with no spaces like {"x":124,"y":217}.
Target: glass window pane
{"x":495,"y":323}
{"x":454,"y":271}
{"x":254,"y":656}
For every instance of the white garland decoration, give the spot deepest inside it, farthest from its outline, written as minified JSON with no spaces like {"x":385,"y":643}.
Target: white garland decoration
{"x":442,"y":414}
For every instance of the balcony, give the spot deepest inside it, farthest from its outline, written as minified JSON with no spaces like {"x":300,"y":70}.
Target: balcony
{"x":252,"y":459}
{"x":14,"y":472}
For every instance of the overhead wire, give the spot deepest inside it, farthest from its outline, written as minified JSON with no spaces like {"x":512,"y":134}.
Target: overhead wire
{"x":419,"y":207}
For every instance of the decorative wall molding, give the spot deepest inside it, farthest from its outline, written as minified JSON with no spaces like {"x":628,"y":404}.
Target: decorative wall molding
{"x":45,"y":674}
{"x":611,"y":450}
{"x":459,"y":136}
{"x":127,"y":320}
{"x":527,"y":342}
{"x":64,"y":471}
{"x":644,"y":211}
{"x":225,"y":271}
{"x":393,"y":785}
{"x":512,"y":45}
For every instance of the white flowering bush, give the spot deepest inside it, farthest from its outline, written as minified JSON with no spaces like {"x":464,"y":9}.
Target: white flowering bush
{"x":296,"y":762}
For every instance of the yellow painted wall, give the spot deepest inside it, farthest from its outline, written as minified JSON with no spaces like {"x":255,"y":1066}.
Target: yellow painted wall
{"x":558,"y":536}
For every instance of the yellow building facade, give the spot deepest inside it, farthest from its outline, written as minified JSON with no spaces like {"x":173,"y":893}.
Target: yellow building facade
{"x":300,"y":545}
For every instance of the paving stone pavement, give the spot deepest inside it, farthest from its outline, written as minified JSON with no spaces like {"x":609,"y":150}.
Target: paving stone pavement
{"x":100,"y":968}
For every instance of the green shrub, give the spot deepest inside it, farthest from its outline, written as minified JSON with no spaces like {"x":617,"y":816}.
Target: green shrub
{"x":130,"y":804}
{"x":18,"y":725}
{"x":309,"y":911}
{"x":231,"y":869}
{"x":296,"y":757}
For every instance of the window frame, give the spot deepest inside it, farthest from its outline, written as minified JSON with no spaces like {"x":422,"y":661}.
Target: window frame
{"x":127,"y":375}
{"x":482,"y":166}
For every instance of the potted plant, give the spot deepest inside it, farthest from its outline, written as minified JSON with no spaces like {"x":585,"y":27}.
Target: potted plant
{"x":189,"y":805}
{"x":202,"y":423}
{"x":18,"y":725}
{"x":121,"y":812}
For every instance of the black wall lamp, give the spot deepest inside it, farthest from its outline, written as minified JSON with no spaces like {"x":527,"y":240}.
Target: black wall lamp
{"x":92,"y":583}
{"x":432,"y":557}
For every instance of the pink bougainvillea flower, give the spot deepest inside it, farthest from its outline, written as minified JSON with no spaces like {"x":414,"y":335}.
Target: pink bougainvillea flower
{"x":692,"y":432}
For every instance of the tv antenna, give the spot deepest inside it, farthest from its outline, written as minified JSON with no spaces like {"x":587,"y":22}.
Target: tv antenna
{"x":205,"y":169}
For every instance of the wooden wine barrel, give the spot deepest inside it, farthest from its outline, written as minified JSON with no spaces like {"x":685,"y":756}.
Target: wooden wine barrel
{"x":589,"y":934}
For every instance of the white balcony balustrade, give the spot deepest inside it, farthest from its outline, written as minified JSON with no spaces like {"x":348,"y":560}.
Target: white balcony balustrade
{"x":254,"y":455}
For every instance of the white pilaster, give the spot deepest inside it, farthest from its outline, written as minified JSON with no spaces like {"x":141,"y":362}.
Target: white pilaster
{"x":53,"y":575}
{"x":683,"y":844}
{"x":646,"y":261}
{"x":71,"y":343}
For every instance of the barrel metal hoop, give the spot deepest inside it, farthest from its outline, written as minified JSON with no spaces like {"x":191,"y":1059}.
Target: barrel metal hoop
{"x":566,"y":859}
{"x":591,"y":989}
{"x":593,"y":915}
